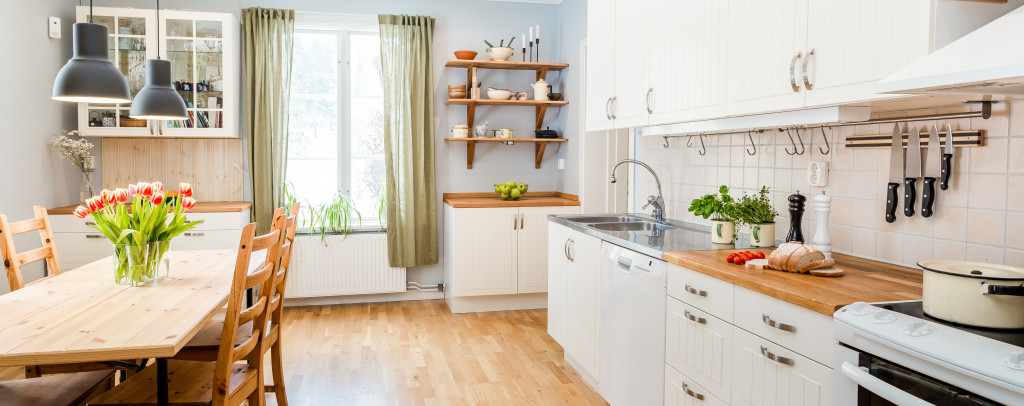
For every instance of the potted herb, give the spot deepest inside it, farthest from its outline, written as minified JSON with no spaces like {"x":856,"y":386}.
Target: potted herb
{"x":720,"y":208}
{"x":501,"y":52}
{"x":758,"y":212}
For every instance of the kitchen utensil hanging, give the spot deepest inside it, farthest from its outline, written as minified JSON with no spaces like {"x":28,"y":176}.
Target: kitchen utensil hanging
{"x":703,"y":148}
{"x":750,"y":136}
{"x":828,"y":148}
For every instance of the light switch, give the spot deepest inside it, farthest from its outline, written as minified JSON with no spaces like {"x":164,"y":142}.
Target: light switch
{"x":54,"y":26}
{"x":561,"y":163}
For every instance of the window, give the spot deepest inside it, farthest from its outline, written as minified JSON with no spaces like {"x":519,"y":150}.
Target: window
{"x":336,"y":123}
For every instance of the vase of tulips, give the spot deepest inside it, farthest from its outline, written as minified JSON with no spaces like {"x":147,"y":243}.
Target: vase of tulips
{"x":140,"y":221}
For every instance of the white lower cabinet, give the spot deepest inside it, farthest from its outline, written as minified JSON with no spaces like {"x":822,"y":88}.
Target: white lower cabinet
{"x":574,"y":297}
{"x":765,"y":373}
{"x":681,"y":391}
{"x":700,"y":346}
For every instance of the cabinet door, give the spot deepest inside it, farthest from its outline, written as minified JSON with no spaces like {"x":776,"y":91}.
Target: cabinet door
{"x":484,"y":246}
{"x":790,"y":380}
{"x":600,"y":69}
{"x":131,"y":34}
{"x":584,"y":300}
{"x":857,"y":42}
{"x":77,"y":249}
{"x":203,"y":50}
{"x":532,"y":243}
{"x":681,"y":391}
{"x":558,"y":267}
{"x":700,"y":346}
{"x":206,"y":240}
{"x":632,"y":62}
{"x":764,"y":38}
{"x":688,"y":54}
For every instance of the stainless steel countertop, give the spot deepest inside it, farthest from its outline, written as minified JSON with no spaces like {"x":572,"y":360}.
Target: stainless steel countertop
{"x":688,"y":236}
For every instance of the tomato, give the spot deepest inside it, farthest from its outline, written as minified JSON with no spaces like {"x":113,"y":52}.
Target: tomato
{"x":730,"y":257}
{"x":760,"y":255}
{"x":741,"y":261}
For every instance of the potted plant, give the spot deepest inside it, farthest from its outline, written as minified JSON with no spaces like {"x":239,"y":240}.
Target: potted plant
{"x":720,"y":208}
{"x":758,"y":212}
{"x":500,"y":52}
{"x":337,"y":216}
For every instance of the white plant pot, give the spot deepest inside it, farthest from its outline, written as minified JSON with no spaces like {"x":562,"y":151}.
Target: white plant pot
{"x":722,"y":232}
{"x":762,"y":235}
{"x":500,"y":53}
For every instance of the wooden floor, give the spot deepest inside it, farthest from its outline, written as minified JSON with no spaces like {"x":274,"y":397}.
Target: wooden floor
{"x":419,"y":353}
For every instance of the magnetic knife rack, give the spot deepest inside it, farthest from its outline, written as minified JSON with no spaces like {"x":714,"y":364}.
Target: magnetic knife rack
{"x":963,"y":138}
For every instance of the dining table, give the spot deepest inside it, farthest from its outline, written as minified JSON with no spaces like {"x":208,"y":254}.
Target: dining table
{"x":83,"y":316}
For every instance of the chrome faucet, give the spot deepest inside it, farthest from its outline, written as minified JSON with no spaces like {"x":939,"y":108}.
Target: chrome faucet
{"x":656,"y":200}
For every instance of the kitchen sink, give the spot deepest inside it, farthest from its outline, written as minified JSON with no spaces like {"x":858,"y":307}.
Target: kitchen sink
{"x":633,"y":226}
{"x":604,"y":219}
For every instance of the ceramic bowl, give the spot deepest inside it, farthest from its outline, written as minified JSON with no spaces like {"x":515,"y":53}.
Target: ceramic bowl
{"x":498,"y":94}
{"x":555,"y":96}
{"x":467,"y":55}
{"x":499,"y":53}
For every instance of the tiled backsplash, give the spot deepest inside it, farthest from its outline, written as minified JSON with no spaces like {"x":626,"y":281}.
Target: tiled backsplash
{"x":980,"y":217}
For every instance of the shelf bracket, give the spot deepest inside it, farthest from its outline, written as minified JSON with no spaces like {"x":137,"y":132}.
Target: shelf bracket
{"x":470,"y":150}
{"x":539,"y":150}
{"x":541,"y":111}
{"x":470,"y":115}
{"x":542,"y":73}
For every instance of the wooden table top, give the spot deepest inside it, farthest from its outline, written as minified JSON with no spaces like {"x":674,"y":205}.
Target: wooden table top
{"x":530,"y":199}
{"x":864,"y":280}
{"x":83,"y":316}
{"x":201,"y":207}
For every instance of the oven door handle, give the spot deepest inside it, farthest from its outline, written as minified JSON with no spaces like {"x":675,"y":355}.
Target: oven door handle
{"x":880,"y":387}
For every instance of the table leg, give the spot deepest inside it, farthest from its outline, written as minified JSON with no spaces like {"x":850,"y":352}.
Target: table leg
{"x":162,"y":397}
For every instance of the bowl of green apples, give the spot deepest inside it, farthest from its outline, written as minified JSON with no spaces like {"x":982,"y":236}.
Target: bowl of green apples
{"x":510,"y":190}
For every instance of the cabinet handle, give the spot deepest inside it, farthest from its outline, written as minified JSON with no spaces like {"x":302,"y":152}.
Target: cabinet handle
{"x":647,"y":99}
{"x":515,"y":221}
{"x":615,"y":103}
{"x":161,"y":127}
{"x":572,"y":245}
{"x":194,"y":234}
{"x":695,"y":319}
{"x":522,"y":221}
{"x":792,"y":71}
{"x":608,"y":108}
{"x":694,"y":291}
{"x":93,"y":236}
{"x":777,"y":358}
{"x":807,"y":81}
{"x":565,"y":249}
{"x":781,"y":326}
{"x":692,"y":394}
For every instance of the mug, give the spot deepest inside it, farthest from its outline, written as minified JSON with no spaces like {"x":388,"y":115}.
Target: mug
{"x":505,"y":133}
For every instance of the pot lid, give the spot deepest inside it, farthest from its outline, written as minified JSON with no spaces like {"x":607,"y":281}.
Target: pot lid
{"x":980,"y":270}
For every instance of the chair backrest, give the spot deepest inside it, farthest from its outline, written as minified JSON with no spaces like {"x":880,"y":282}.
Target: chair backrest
{"x":250,"y":350}
{"x":13,"y":261}
{"x":281,"y":276}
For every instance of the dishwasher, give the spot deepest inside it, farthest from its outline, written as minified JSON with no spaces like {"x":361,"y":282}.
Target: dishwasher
{"x":632,"y":328}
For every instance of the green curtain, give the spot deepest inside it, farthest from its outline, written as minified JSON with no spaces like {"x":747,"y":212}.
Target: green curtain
{"x":267,"y":37}
{"x":405,"y":48}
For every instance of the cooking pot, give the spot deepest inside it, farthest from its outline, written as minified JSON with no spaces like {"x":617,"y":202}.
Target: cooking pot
{"x":974,"y":293}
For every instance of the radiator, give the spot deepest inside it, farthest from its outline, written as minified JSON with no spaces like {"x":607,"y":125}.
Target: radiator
{"x":353,"y":265}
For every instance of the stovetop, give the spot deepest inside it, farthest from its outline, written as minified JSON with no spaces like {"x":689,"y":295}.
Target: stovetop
{"x":915,"y":308}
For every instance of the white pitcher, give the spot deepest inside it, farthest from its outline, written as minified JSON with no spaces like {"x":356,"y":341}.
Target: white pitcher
{"x":540,"y":90}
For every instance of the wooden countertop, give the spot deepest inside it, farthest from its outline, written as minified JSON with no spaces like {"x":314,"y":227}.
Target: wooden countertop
{"x":864,"y":280}
{"x":201,"y":207}
{"x":530,"y":199}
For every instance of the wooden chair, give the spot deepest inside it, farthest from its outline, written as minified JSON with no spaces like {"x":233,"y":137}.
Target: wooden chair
{"x":57,"y":390}
{"x":237,"y":374}
{"x":13,"y":261}
{"x":203,"y":347}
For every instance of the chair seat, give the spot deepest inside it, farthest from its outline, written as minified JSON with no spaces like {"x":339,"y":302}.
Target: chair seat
{"x":190,"y":383}
{"x":56,"y":390}
{"x":206,"y":343}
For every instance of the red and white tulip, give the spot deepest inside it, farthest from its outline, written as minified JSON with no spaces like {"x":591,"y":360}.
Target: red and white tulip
{"x":147,"y":190}
{"x":121,"y":195}
{"x":82,"y":212}
{"x":185,"y":189}
{"x":107,"y":196}
{"x":158,"y":198}
{"x":188,"y":203}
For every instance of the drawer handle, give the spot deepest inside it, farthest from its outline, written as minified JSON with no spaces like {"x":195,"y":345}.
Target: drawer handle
{"x":194,"y":234}
{"x":698,"y":320}
{"x":89,"y":223}
{"x":777,"y":358}
{"x":781,"y":326}
{"x":692,"y":394}
{"x":697,"y":292}
{"x":93,"y":236}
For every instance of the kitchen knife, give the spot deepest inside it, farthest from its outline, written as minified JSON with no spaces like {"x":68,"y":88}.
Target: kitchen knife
{"x":947,"y":158}
{"x":912,"y":171}
{"x":931,"y":172}
{"x":895,"y":174}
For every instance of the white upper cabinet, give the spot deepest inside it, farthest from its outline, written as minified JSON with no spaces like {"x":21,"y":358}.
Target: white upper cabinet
{"x":600,"y":69}
{"x":632,"y":62}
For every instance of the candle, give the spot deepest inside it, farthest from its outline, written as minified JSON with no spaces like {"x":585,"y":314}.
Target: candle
{"x":538,"y":32}
{"x":524,"y":40}
{"x":531,"y":34}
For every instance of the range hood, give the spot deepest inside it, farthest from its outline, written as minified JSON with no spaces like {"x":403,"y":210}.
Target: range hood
{"x":988,"y":61}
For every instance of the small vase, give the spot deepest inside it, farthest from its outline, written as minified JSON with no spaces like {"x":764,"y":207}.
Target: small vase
{"x":131,"y":265}
{"x":158,"y":267}
{"x":762,"y":235}
{"x":722,"y":232}
{"x":87,"y":190}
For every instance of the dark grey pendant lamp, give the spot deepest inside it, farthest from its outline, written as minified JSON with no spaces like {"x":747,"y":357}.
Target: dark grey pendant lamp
{"x":158,"y":100}
{"x":90,"y":77}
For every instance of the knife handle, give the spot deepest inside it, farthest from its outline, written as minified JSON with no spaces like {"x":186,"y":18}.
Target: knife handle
{"x":909,"y":196}
{"x":891,"y":199}
{"x":928,"y":197}
{"x":947,"y":169}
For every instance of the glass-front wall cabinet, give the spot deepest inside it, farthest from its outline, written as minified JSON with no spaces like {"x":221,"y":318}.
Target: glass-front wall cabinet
{"x":204,"y":53}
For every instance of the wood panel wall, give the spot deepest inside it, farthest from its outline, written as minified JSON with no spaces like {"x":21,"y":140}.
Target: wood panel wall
{"x":208,"y":164}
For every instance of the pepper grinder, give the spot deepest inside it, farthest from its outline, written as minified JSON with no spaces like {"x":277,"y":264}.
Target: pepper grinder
{"x":796,"y":214}
{"x":822,"y":241}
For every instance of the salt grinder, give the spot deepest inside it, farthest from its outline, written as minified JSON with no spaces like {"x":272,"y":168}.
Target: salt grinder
{"x":822,"y":240}
{"x":796,"y":214}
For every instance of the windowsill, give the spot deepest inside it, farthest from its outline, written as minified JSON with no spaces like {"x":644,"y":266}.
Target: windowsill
{"x":359,"y":230}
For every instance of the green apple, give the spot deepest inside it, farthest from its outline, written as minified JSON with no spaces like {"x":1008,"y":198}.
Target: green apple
{"x":505,"y":196}
{"x":522,"y":187}
{"x":515,"y":193}
{"x":497,"y":188}
{"x":511,"y":183}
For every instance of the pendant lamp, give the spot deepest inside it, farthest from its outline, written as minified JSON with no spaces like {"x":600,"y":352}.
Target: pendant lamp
{"x":158,"y":100}
{"x":90,"y":77}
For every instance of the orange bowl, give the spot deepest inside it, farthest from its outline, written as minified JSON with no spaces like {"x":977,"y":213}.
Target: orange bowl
{"x":467,"y":55}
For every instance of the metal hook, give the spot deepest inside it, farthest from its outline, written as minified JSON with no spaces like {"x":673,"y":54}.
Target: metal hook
{"x":666,"y":141}
{"x":689,"y":140}
{"x":828,"y":148}
{"x":792,"y":141}
{"x":703,"y":148}
{"x":752,"y":145}
{"x":803,"y":148}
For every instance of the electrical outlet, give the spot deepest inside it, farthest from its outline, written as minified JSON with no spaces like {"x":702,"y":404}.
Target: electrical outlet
{"x":561,"y":163}
{"x":54,"y":26}
{"x":817,"y":173}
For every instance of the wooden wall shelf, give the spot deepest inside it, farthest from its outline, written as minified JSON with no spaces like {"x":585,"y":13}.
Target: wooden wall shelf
{"x":541,"y":107}
{"x":540,"y":144}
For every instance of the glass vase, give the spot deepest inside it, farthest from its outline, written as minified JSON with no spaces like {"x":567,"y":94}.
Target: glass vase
{"x":131,"y":265}
{"x":87,"y":190}
{"x":158,"y":265}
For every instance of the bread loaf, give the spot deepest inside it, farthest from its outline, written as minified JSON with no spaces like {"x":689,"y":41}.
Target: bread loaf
{"x":801,"y":258}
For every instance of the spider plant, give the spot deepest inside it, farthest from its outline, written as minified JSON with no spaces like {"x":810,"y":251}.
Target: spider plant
{"x":289,"y":197}
{"x":382,"y":205}
{"x":334,"y":217}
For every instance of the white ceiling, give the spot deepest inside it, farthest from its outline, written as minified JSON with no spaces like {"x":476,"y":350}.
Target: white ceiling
{"x":531,"y":1}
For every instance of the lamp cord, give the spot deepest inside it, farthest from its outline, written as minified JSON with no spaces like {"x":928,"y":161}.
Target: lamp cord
{"x":157,"y":29}
{"x":90,"y":11}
